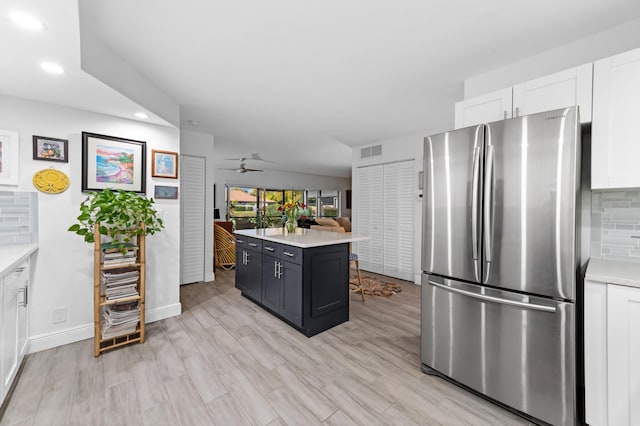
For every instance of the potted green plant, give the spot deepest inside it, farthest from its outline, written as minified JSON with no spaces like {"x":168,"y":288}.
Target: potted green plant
{"x":119,"y":214}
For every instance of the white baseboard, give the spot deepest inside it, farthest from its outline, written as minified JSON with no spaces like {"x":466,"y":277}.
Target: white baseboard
{"x":45,"y":341}
{"x":163,"y":312}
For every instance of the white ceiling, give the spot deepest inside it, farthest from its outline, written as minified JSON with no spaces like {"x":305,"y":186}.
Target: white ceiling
{"x":298,"y":82}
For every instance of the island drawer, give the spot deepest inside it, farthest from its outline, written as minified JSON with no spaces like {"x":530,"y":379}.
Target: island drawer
{"x":248,"y":243}
{"x":283,"y":251}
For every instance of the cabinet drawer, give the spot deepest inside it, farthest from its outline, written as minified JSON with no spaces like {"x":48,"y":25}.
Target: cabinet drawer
{"x":254,"y":244}
{"x":242,"y":241}
{"x":248,"y":243}
{"x":291,"y":254}
{"x":283,"y":252}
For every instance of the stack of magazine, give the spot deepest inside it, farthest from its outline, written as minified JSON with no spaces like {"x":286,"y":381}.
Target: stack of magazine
{"x":120,"y":319}
{"x":117,"y":284}
{"x":113,"y":255}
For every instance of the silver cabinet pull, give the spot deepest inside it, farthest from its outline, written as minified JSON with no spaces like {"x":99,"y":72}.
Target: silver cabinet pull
{"x":239,"y":241}
{"x":248,"y":255}
{"x":505,"y":114}
{"x":275,"y":269}
{"x":517,"y":111}
{"x":253,"y":245}
{"x":286,"y":253}
{"x":267,"y":248}
{"x":494,"y":299}
{"x":25,"y":297}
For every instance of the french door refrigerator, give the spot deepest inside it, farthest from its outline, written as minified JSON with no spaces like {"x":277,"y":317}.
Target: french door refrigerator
{"x":500,"y":256}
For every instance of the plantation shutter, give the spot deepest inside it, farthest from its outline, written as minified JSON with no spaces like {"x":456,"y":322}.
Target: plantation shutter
{"x":192,"y":237}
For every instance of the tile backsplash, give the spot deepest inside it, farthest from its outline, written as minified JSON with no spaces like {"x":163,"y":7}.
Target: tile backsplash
{"x":615,"y":221}
{"x":18,"y":218}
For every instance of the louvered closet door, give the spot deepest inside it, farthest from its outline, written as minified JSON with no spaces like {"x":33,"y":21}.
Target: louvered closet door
{"x":362,"y":219}
{"x":390,"y":228}
{"x":192,"y":187}
{"x":376,"y":219}
{"x":406,"y":220}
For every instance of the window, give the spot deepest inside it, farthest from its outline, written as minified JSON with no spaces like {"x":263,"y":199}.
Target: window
{"x":242,"y":206}
{"x":329,"y":203}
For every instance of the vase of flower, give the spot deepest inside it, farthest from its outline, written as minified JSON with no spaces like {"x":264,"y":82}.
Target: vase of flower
{"x":291,"y":213}
{"x":291,"y":225}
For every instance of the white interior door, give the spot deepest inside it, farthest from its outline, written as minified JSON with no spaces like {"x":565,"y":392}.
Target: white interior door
{"x":406,"y":219}
{"x":390,"y":228}
{"x":192,"y":186}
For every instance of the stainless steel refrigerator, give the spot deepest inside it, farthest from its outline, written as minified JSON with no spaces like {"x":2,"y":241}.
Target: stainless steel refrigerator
{"x":500,"y":256}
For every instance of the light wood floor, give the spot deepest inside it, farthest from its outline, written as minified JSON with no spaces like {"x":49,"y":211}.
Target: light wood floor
{"x":226,"y":361}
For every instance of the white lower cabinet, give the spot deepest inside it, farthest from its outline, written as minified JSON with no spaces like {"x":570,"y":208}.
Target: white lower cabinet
{"x":612,"y":354}
{"x":14,"y":287}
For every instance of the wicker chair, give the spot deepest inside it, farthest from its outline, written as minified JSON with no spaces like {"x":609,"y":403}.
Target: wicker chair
{"x":225,"y":248}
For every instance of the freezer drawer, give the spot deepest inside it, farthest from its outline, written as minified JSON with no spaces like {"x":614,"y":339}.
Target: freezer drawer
{"x":517,"y":349}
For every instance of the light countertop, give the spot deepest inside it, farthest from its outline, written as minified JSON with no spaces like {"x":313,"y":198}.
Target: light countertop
{"x":614,"y":272}
{"x":304,"y":238}
{"x":10,"y":256}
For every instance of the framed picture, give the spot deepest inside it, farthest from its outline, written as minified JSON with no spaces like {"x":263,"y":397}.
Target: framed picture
{"x":166,"y":192}
{"x":50,"y":149}
{"x":9,"y":157}
{"x":164,"y":164}
{"x":112,"y":162}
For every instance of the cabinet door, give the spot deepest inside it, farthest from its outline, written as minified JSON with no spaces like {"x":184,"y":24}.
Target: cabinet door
{"x":10,"y":329}
{"x":595,"y":352}
{"x":484,"y":109}
{"x":254,"y":278}
{"x":623,"y":354}
{"x":291,"y":302}
{"x":615,"y":133}
{"x":271,"y":283}
{"x":242,"y":270}
{"x":555,"y":91}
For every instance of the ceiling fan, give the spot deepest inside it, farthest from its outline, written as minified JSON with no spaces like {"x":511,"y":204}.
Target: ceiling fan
{"x":243,"y":168}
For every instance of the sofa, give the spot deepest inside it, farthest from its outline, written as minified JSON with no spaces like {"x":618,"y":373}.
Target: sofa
{"x":339,"y":224}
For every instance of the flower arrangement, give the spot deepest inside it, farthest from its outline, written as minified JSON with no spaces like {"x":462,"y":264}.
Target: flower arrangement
{"x":291,"y":211}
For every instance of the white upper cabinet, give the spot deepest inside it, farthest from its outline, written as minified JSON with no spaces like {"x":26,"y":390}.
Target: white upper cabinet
{"x":615,"y":131}
{"x":493,"y":106}
{"x":559,"y":90}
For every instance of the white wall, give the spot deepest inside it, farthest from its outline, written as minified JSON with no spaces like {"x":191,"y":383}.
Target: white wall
{"x":272,"y":179}
{"x":597,"y":46}
{"x":63,"y":276}
{"x":393,"y":150}
{"x":201,"y":145}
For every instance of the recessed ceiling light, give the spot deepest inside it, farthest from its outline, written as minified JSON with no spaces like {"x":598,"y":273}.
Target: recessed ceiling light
{"x":141,"y":115}
{"x":52,"y":68}
{"x":26,"y":21}
{"x":193,"y":122}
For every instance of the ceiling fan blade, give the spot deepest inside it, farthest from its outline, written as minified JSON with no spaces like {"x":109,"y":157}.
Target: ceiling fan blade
{"x":252,"y":170}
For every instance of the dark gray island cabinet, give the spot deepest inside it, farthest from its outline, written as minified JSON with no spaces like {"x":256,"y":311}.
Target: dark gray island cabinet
{"x":302,"y":278}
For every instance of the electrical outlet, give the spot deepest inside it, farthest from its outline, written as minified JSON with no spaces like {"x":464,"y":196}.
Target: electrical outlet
{"x":59,"y":315}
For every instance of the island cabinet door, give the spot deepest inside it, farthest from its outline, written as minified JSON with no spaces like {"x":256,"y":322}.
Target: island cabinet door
{"x":271,"y":283}
{"x":254,"y":278}
{"x":291,"y":303}
{"x":242,"y":271}
{"x":326,"y":275}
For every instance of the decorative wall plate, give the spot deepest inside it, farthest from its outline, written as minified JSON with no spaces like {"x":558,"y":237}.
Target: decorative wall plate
{"x":51,"y":181}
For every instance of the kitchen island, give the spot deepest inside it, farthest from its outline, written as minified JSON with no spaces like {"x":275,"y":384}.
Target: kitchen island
{"x":302,"y":277}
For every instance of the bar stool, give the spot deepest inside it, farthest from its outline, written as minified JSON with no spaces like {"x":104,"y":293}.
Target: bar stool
{"x":353,"y":258}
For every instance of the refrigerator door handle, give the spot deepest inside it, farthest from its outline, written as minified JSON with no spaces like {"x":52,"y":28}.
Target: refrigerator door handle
{"x":486,"y":298}
{"x":488,"y":201}
{"x":475,"y":192}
